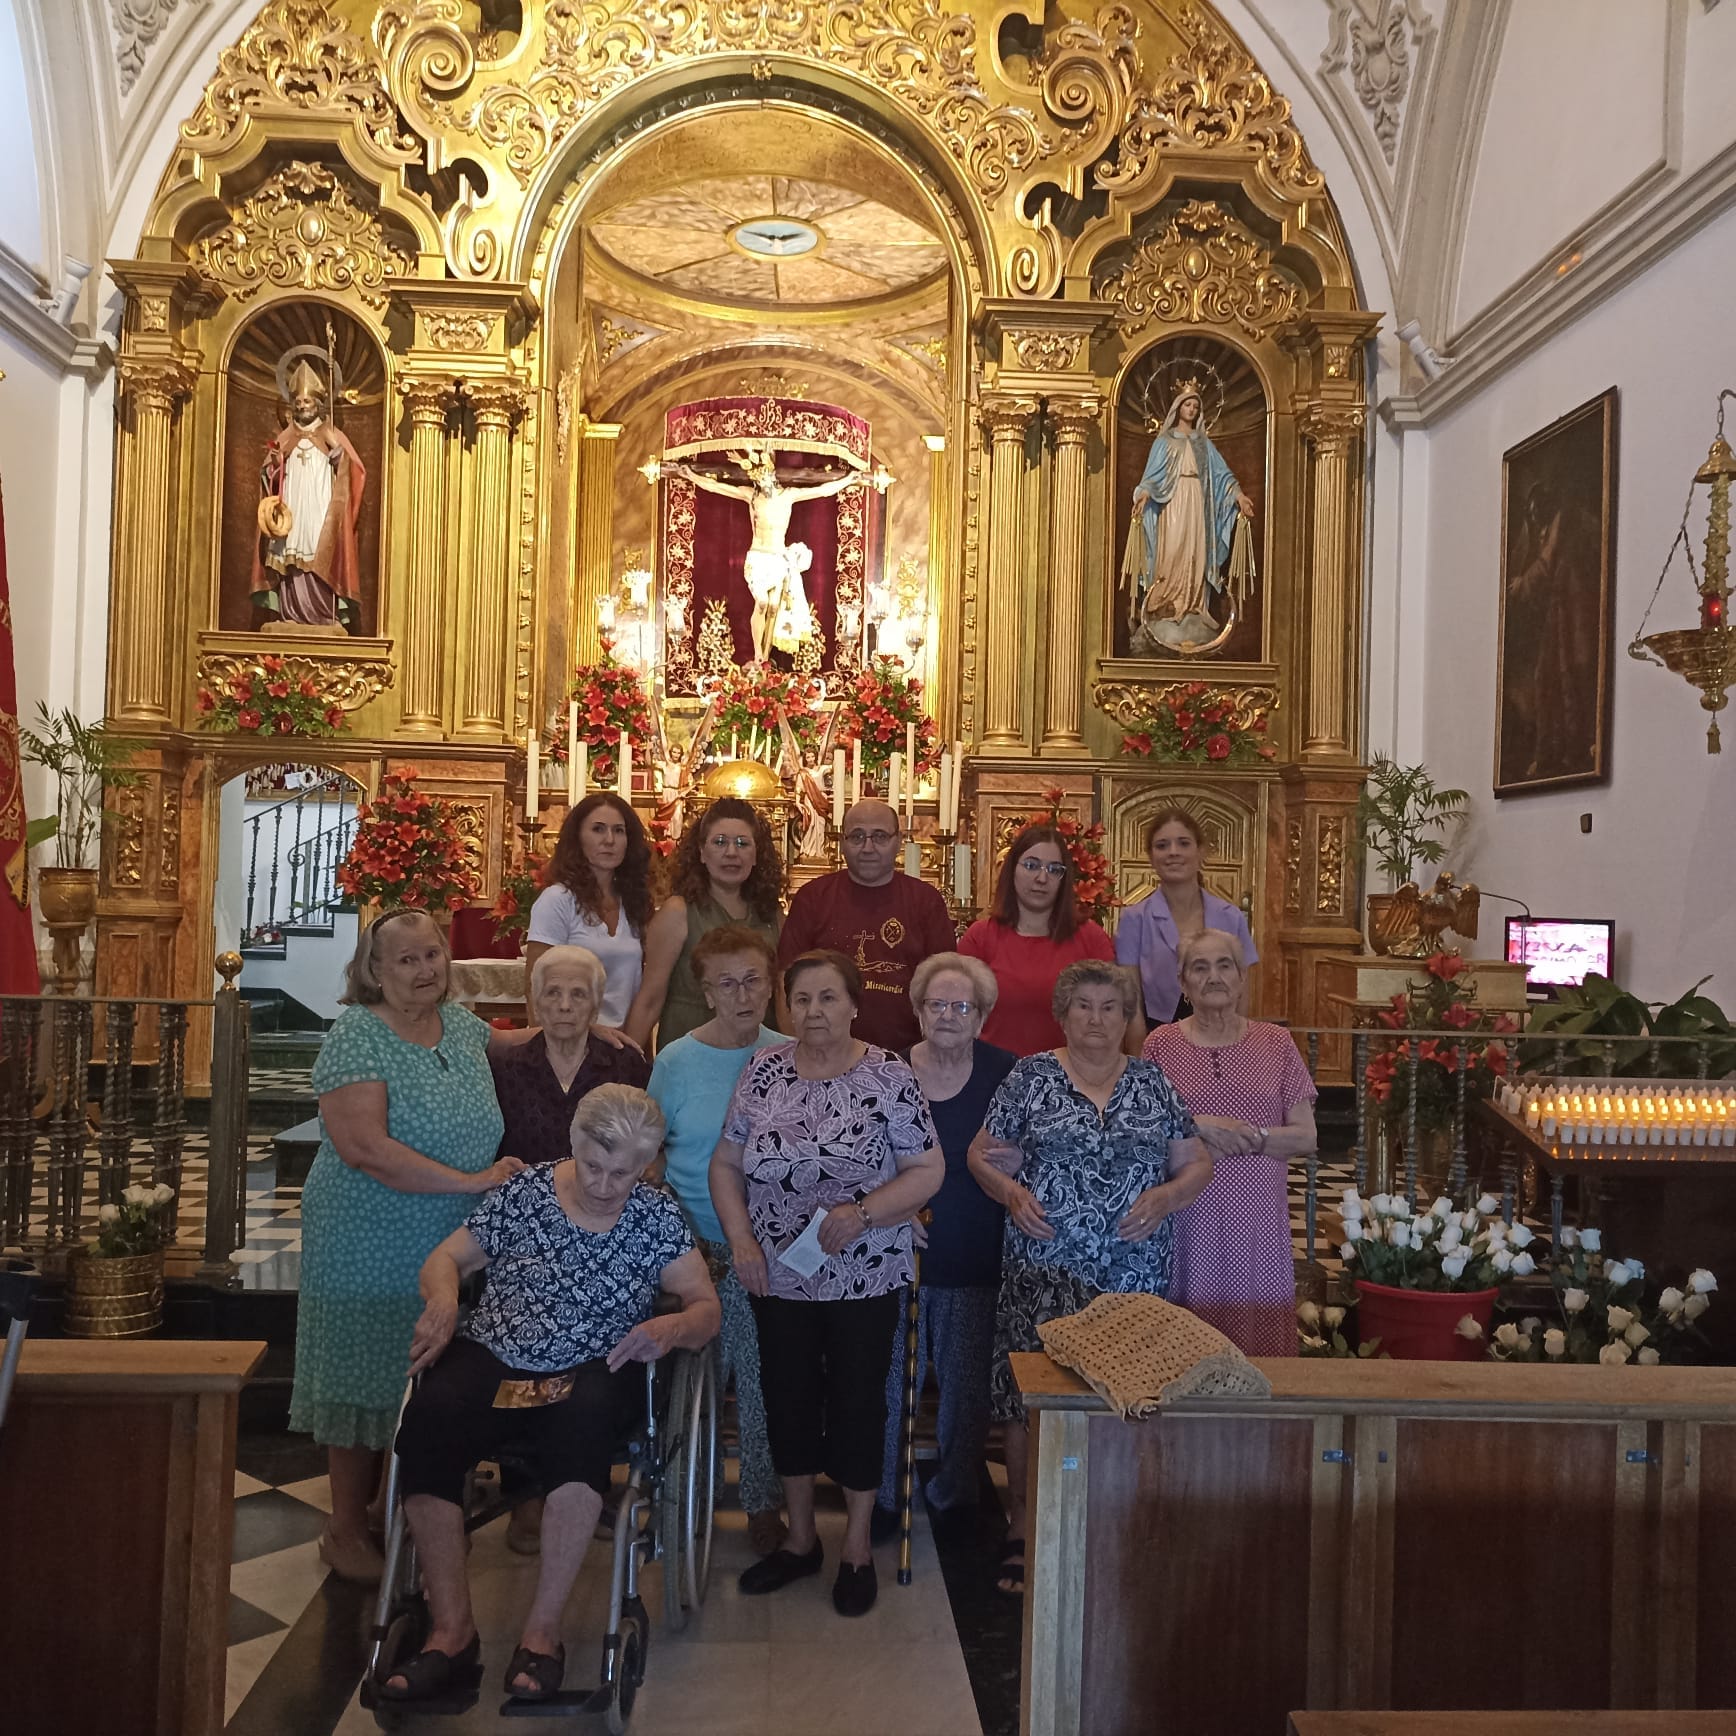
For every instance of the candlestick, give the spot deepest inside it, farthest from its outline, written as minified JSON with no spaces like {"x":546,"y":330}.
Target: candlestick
{"x":532,"y":776}
{"x":837,"y":789}
{"x":626,"y":770}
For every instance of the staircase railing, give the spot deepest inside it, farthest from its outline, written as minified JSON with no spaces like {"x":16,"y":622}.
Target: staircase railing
{"x":316,"y":847}
{"x":71,"y":1143}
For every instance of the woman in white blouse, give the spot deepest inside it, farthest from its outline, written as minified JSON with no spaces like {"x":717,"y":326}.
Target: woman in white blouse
{"x":598,"y":897}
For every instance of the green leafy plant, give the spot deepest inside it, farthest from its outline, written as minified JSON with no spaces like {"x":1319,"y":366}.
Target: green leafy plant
{"x":85,"y":760}
{"x":1600,"y":1029}
{"x":1398,"y":814}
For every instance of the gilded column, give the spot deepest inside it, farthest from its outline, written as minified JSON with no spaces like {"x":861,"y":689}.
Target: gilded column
{"x":1001,"y":616}
{"x":598,"y":450}
{"x":1332,"y":431}
{"x":422,"y":626}
{"x":143,"y":633}
{"x":485,"y":636}
{"x":1073,"y":420}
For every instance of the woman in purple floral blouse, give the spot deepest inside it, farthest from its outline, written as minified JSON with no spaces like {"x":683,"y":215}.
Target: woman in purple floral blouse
{"x":832,"y":1130}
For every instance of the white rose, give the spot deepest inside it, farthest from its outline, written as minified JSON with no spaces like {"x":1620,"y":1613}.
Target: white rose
{"x":1614,"y":1355}
{"x":1569,"y":1236}
{"x":1401,"y":1207}
{"x":1636,"y":1335}
{"x":1574,"y":1300}
{"x":1398,"y":1232}
{"x":109,"y":1215}
{"x":1351,"y":1203}
{"x":1532,"y":1322}
{"x":1381,"y":1204}
{"x":1347,"y":1252}
{"x":162,"y":1193}
{"x":1308,"y":1313}
{"x":1620,"y":1319}
{"x":1502,"y":1260}
{"x":1442,"y":1208}
{"x":1701,"y":1282}
{"x":1487,"y":1203}
{"x":1469,"y":1327}
{"x":1647,"y":1357}
{"x":1334,"y":1318}
{"x":1468,"y":1222}
{"x":1507,"y":1335}
{"x":1454,"y":1265}
{"x":1523,"y":1265}
{"x":135,"y":1196}
{"x":1616,"y":1274}
{"x":1311,"y":1341}
{"x":1554,"y":1342}
{"x":1353,"y":1229}
{"x":1696,"y":1305}
{"x":1671,"y":1299}
{"x":1635,"y":1269}
{"x":1450,"y":1238}
{"x":1591,"y":1241}
{"x":1520,"y":1237}
{"x":1417,"y":1238}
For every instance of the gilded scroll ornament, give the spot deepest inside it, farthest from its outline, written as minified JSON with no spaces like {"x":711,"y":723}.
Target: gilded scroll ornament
{"x":1293,"y":867}
{"x":458,"y":329}
{"x":1212,"y":96}
{"x":1203,"y":267}
{"x":303,"y":229}
{"x":1047,"y":352}
{"x":1329,"y":867}
{"x":1127,"y":702}
{"x":299,"y":55}
{"x":169,"y":837}
{"x":127,"y":864}
{"x":347,"y":682}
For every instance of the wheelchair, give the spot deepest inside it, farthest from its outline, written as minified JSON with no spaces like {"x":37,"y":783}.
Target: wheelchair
{"x":665,"y":1515}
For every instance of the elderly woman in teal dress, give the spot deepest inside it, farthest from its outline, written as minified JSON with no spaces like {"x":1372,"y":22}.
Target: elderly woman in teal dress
{"x":410,"y":1130}
{"x":1185,"y":512}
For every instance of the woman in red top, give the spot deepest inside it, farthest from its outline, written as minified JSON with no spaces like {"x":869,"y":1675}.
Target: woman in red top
{"x":1031,"y":936}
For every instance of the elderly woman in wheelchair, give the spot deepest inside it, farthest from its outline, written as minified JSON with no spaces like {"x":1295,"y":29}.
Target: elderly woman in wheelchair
{"x":576,"y":1254}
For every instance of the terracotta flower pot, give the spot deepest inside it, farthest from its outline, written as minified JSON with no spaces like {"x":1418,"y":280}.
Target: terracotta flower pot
{"x":113,"y":1298}
{"x":1421,"y":1325}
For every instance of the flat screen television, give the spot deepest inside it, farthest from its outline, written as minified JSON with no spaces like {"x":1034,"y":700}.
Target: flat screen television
{"x":1559,"y":951}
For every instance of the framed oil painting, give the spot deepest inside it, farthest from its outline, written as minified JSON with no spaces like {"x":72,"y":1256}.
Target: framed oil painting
{"x":1553,"y":669}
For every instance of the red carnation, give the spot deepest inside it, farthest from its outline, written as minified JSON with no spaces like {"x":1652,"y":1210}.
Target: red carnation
{"x":308,"y":690}
{"x":272,"y":664}
{"x":1184,"y":720}
{"x":284,"y":723}
{"x":1218,"y":747}
{"x":277,"y":689}
{"x":207,"y":699}
{"x":334,"y":715}
{"x":248,"y":719}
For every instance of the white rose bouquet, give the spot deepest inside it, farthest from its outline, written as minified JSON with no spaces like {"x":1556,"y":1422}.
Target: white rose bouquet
{"x":141,"y":1224}
{"x":1389,"y":1241}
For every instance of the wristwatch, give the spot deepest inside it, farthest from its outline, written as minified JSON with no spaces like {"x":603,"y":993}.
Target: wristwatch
{"x":1261,"y":1146}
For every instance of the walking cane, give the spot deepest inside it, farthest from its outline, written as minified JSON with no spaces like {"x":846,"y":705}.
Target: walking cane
{"x":907,"y":1474}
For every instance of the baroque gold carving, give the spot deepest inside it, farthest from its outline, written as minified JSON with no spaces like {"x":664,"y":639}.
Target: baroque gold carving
{"x":456,"y":329}
{"x":155,"y":382}
{"x":347,"y":682}
{"x":1127,"y":702}
{"x":153,"y":314}
{"x":1203,"y":266}
{"x":127,"y":865}
{"x":1332,"y":427}
{"x":303,"y":229}
{"x":169,"y":837}
{"x":1329,"y":867}
{"x":498,"y":403}
{"x":299,"y":55}
{"x":1047,"y":352}
{"x":1293,"y":867}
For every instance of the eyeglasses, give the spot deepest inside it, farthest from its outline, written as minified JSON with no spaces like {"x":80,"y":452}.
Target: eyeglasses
{"x":724,"y":840}
{"x":879,"y":839}
{"x":747,"y":985}
{"x":937,"y":1009}
{"x":1036,"y":865}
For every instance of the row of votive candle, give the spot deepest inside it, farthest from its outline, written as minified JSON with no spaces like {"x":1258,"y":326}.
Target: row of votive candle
{"x":1626,"y":1115}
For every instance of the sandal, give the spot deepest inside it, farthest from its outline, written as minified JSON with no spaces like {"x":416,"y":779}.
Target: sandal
{"x":545,"y":1671}
{"x":432,"y":1675}
{"x":1010,"y":1582}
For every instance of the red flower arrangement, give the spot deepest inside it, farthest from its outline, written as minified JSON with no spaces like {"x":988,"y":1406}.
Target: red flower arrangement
{"x":1193,"y":723}
{"x":519,"y":887}
{"x":876,"y":710}
{"x":269,"y":699}
{"x":1441,"y":1001}
{"x":1093,"y":889}
{"x":612,"y":705}
{"x":751,"y":700}
{"x":408,"y":852}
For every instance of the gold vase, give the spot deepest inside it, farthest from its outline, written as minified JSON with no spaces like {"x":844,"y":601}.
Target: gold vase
{"x":113,"y":1298}
{"x":1393,"y":927}
{"x":67,"y":898}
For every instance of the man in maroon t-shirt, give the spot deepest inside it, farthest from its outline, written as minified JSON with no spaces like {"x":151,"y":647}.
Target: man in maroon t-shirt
{"x":883,"y":919}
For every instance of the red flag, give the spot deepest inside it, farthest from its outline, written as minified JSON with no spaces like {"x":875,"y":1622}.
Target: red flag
{"x":17,"y":940}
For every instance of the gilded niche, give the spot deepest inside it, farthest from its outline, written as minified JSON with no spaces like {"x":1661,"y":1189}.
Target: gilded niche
{"x":1203,"y":267}
{"x":304,"y":229}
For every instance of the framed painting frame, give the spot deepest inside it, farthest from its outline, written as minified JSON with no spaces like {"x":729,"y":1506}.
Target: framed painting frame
{"x":1557,"y":597}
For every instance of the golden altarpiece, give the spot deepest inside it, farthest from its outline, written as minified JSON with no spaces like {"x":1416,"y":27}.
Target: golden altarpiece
{"x":486,"y":223}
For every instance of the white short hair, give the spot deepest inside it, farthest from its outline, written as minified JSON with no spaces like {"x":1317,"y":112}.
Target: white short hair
{"x":985,"y":991}
{"x":621,"y":1118}
{"x":1211,"y":937}
{"x":579,"y":955}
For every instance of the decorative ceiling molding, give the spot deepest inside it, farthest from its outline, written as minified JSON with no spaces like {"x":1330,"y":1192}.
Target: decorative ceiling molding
{"x":1378,"y":51}
{"x":137,"y":25}
{"x":615,"y":336}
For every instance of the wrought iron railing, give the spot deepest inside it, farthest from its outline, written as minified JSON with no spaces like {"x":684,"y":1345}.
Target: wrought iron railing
{"x":93,"y":1099}
{"x":307,"y":868}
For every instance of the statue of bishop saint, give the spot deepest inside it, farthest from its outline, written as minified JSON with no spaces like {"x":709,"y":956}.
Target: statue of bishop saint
{"x":306,"y":574}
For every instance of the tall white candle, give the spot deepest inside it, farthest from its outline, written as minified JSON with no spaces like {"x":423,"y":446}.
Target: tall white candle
{"x":855,"y":771}
{"x":581,"y":770}
{"x":961,"y":873}
{"x":572,"y":752}
{"x":913,"y":859}
{"x":909,"y":773}
{"x":957,"y":782}
{"x":734,"y":745}
{"x":626,"y":769}
{"x":838,"y":788}
{"x":894,"y":769}
{"x":946,"y":790}
{"x":532,"y":775}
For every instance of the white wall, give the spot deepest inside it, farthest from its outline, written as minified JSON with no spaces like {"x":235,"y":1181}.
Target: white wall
{"x":1661,"y":856}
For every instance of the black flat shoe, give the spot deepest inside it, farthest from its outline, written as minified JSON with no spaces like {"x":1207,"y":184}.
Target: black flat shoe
{"x":779,"y":1569}
{"x":433,"y":1675}
{"x":855,"y":1590}
{"x":882,"y":1524}
{"x":545,"y":1672}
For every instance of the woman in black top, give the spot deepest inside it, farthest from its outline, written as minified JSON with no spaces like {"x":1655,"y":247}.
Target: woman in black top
{"x":961,"y":1265}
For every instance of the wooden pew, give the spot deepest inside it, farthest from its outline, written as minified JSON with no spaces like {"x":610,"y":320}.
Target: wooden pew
{"x":1406,"y":1535}
{"x":117,"y":1485}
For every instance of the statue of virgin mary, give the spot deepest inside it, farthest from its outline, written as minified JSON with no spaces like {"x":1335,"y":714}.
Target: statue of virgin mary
{"x":1189,"y":518}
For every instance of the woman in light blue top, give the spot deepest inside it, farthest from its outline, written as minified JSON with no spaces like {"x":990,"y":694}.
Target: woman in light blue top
{"x":1149,"y":935}
{"x":693,"y":1081}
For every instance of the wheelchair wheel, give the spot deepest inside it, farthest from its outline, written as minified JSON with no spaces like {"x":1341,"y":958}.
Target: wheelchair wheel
{"x":699,"y":1496}
{"x":685,"y":1493}
{"x":627,"y":1679}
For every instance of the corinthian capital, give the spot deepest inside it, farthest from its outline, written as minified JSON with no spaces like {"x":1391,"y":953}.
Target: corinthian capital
{"x":1331,"y":427}
{"x":156,"y":382}
{"x":429,"y":400}
{"x":1073,"y":419}
{"x":1007,"y":416}
{"x":498,"y":401}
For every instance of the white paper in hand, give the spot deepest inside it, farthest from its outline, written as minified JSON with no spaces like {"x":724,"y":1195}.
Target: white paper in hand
{"x":804,"y":1255}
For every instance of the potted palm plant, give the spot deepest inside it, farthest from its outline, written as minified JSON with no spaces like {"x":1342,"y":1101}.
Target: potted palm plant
{"x":1399,"y":816}
{"x":84,"y":761}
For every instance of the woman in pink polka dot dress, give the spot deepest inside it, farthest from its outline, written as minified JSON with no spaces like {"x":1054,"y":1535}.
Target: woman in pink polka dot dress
{"x":1253,"y":1102}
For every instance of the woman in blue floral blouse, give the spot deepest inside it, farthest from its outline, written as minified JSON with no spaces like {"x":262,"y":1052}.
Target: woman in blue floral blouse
{"x":1090,"y":1151}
